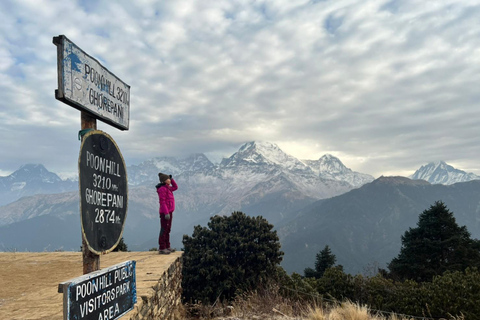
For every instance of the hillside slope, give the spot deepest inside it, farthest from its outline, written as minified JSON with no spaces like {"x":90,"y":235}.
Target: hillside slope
{"x":365,"y":225}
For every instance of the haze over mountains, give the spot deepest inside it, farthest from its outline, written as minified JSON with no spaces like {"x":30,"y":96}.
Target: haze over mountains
{"x":311,"y":204}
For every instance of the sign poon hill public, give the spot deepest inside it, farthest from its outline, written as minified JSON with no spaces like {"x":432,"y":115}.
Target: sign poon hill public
{"x":85,"y":84}
{"x":102,"y":295}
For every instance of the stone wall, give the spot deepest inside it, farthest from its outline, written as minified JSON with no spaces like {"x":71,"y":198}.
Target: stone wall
{"x":163,"y":300}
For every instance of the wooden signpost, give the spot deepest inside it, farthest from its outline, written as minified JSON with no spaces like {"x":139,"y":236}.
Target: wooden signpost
{"x":88,"y":86}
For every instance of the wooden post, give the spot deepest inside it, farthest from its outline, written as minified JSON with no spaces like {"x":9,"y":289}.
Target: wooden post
{"x":91,"y":261}
{"x":88,"y":122}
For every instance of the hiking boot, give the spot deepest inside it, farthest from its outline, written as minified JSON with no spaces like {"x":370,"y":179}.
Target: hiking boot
{"x":164,"y":251}
{"x":170,"y":249}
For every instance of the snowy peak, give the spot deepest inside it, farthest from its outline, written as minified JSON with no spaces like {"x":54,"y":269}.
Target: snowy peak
{"x":33,"y":172}
{"x":329,"y":163}
{"x":31,"y":179}
{"x":263,"y":153}
{"x":440,"y":172}
{"x":330,"y":167}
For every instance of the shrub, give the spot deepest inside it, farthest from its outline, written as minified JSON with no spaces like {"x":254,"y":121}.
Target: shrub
{"x":336,"y":284}
{"x":455,"y":293}
{"x":232,"y":255}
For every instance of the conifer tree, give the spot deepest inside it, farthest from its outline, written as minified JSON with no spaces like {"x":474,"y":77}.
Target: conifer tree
{"x":325,"y":259}
{"x":436,"y":245}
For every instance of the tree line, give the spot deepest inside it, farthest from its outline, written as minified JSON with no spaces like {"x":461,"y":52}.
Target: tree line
{"x":435,"y":273}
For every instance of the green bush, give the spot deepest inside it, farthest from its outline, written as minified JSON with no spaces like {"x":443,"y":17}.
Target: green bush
{"x":336,"y":284}
{"x":452,"y":294}
{"x":232,"y":255}
{"x":298,"y":288}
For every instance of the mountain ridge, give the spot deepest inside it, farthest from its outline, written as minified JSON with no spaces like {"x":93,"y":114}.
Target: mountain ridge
{"x":365,"y":225}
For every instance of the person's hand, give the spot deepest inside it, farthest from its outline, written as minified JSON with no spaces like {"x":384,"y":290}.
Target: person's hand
{"x":167,"y":217}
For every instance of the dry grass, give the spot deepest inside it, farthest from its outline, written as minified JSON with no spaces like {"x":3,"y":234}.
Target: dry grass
{"x":262,"y":304}
{"x":344,"y":311}
{"x":315,"y":312}
{"x":351,"y":311}
{"x":269,"y":305}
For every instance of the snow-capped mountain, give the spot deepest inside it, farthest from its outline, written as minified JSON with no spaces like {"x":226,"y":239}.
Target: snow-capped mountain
{"x":148,"y":170}
{"x":442,"y":173}
{"x":31,"y":179}
{"x":257,"y":168}
{"x":330,"y":167}
{"x":263,"y":153}
{"x":248,"y":164}
{"x":262,"y":169}
{"x":33,"y":173}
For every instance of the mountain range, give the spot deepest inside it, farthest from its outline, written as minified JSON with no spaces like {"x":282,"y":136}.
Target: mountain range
{"x":259,"y":179}
{"x":311,"y":203}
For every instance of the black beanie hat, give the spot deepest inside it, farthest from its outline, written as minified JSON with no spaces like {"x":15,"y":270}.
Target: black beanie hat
{"x":163,"y":177}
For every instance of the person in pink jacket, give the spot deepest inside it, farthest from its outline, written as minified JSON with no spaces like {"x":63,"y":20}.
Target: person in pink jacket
{"x":167,"y":205}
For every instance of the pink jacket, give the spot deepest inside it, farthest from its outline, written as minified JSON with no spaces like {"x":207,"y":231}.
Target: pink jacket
{"x":166,"y":198}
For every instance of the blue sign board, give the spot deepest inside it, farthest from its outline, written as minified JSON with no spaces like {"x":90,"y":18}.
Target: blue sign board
{"x":106,"y":294}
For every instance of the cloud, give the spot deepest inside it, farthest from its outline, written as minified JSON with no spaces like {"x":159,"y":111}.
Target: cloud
{"x":385,"y":85}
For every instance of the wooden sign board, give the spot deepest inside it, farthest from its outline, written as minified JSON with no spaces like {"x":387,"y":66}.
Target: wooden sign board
{"x":101,"y":295}
{"x":85,"y":84}
{"x":103,"y":191}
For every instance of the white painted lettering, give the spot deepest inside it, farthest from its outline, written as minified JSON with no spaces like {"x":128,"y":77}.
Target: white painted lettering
{"x":99,"y":198}
{"x":101,"y":164}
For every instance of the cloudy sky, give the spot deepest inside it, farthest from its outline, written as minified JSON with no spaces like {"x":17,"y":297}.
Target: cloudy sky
{"x":386,"y":86}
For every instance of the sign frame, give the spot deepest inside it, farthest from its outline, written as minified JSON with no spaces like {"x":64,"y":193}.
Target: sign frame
{"x":100,"y":193}
{"x":102,"y":288}
{"x":85,"y":84}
